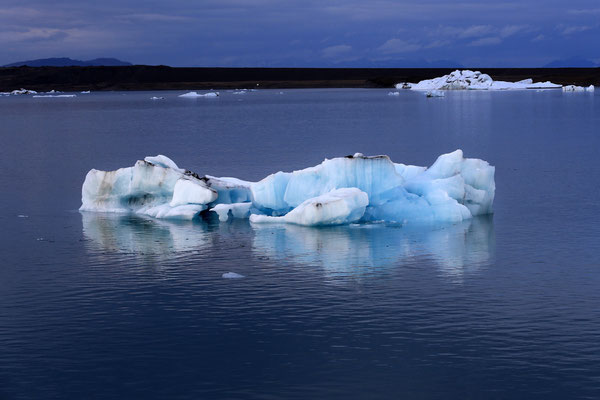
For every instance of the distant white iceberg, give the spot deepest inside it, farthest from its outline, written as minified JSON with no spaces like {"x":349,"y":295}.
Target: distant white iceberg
{"x":575,"y":88}
{"x":393,"y":93}
{"x":86,"y":92}
{"x":338,"y":191}
{"x":196,"y":94}
{"x":22,"y":91}
{"x":473,"y":80}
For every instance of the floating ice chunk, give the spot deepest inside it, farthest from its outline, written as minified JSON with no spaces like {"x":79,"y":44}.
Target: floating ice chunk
{"x":163,"y":161}
{"x":237,"y":210}
{"x":54,"y":91}
{"x":85,"y":92}
{"x":156,"y":98}
{"x":232,"y":275}
{"x":239,"y":92}
{"x":393,"y":93}
{"x":196,"y":94}
{"x":590,"y":88}
{"x":55,"y":95}
{"x":337,"y":191}
{"x":434,"y":93}
{"x":573,"y":88}
{"x":340,"y":206}
{"x":189,"y":190}
{"x":473,"y":80}
{"x":23,"y":91}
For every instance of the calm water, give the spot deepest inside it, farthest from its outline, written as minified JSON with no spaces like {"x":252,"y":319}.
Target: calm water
{"x":101,"y":306}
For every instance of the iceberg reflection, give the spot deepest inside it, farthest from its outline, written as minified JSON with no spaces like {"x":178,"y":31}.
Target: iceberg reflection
{"x":358,"y":249}
{"x":126,"y":233}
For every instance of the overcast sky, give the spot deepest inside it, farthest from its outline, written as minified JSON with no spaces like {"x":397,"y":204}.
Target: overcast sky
{"x":301,"y":32}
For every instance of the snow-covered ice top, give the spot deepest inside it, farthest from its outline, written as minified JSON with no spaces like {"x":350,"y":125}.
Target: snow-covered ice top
{"x":473,"y":80}
{"x":341,"y":190}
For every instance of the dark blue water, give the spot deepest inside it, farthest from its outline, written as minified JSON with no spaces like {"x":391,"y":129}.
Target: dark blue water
{"x":109,"y":306}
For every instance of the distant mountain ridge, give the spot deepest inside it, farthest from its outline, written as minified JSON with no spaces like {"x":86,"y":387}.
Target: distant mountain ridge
{"x":69,"y":62}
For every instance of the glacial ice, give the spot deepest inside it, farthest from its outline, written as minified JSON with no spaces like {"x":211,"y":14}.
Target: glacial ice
{"x":341,"y":190}
{"x":337,"y":207}
{"x":575,"y":88}
{"x":196,"y":94}
{"x":393,"y":93}
{"x":473,"y":80}
{"x":434,"y":93}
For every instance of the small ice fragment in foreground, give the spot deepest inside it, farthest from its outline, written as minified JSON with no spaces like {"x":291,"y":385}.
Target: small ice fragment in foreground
{"x":156,"y":98}
{"x":86,"y":92}
{"x":232,"y":275}
{"x":434,"y":93}
{"x":196,"y":94}
{"x":22,"y":216}
{"x":393,"y":93}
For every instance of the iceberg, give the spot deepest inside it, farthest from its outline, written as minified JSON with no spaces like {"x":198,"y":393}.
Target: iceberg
{"x":473,"y":80}
{"x":156,"y":98}
{"x":343,"y":190}
{"x":393,"y":93}
{"x":194,"y":95}
{"x":23,"y":91}
{"x":159,"y":190}
{"x":86,"y":92}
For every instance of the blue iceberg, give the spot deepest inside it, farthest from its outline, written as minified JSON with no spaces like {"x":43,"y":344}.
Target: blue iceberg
{"x":338,"y":191}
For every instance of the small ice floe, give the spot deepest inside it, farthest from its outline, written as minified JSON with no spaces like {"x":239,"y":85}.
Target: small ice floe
{"x":23,"y":91}
{"x":240,"y":92}
{"x":86,"y":92}
{"x":590,"y":88}
{"x":156,"y":98}
{"x":55,"y":95}
{"x":22,"y":216}
{"x":573,"y":88}
{"x":393,"y":93}
{"x":54,"y":91}
{"x":196,"y":94}
{"x":434,"y":93}
{"x":232,"y":275}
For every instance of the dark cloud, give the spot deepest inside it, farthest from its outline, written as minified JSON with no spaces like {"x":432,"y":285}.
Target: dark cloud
{"x":300,"y":33}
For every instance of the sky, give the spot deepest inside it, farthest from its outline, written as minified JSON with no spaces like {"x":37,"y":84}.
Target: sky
{"x":302,"y":33}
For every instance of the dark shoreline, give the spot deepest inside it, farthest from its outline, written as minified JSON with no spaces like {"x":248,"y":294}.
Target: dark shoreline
{"x":143,"y":77}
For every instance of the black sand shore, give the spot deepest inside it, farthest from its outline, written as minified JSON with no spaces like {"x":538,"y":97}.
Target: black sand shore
{"x":142,"y":77}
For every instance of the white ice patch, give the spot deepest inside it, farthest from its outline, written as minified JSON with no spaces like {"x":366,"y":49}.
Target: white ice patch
{"x":55,"y":95}
{"x":196,"y":94}
{"x":393,"y":93}
{"x":232,"y":275}
{"x":163,"y":161}
{"x":434,"y":93}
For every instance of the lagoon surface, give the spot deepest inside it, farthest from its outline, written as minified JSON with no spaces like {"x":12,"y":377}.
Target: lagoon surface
{"x":115,"y":306}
